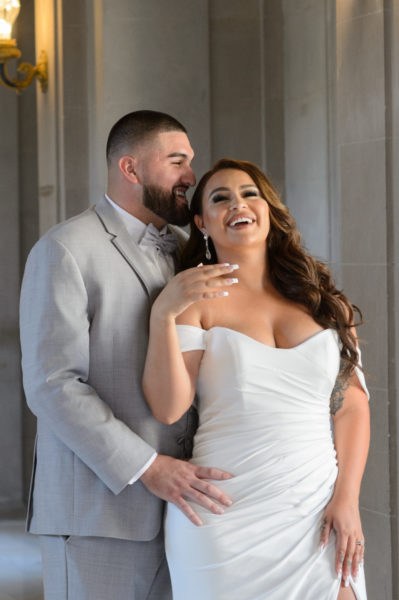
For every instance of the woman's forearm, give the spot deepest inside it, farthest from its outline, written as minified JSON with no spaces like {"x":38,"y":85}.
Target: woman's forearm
{"x":167,"y":384}
{"x":352,"y":436}
{"x":169,"y":379}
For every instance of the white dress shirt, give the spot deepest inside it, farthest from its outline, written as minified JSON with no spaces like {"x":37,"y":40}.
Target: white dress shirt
{"x":136,"y":228}
{"x":166,"y":270}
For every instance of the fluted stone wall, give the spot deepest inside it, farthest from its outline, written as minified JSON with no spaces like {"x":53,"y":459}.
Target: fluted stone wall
{"x":18,"y":231}
{"x":364,"y":56}
{"x":341,"y":158}
{"x":307,"y":89}
{"x":10,"y":393}
{"x":151,"y":55}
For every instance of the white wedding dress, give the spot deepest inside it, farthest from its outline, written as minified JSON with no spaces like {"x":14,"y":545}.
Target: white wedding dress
{"x":264,"y":417}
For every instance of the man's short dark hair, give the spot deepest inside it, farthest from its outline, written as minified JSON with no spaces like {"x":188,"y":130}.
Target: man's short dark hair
{"x":136,"y":128}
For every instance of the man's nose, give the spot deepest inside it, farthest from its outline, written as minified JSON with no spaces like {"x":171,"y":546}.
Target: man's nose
{"x":189,"y":177}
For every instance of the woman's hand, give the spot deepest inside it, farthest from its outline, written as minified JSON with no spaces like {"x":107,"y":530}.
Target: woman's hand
{"x":343,"y":517}
{"x":192,"y":285}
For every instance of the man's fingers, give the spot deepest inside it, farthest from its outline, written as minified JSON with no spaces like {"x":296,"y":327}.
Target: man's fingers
{"x":205,"y":501}
{"x":202,"y":500}
{"x":187,"y":510}
{"x":212,"y":473}
{"x":212,"y":491}
{"x":177,"y":481}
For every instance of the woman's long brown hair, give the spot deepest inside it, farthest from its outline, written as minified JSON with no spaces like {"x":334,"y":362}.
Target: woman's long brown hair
{"x":293,"y":272}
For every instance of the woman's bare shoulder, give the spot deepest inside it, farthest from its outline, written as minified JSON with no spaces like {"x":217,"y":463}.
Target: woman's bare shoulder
{"x":190,"y":316}
{"x":201,"y":314}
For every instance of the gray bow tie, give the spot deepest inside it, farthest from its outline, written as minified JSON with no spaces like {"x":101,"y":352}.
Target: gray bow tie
{"x":167,"y":242}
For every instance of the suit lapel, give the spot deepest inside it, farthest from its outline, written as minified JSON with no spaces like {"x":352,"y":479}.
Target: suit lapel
{"x":182,"y":238}
{"x":127,"y":247}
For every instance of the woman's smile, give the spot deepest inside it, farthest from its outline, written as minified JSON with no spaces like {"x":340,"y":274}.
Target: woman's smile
{"x":232,"y":204}
{"x":240,"y":221}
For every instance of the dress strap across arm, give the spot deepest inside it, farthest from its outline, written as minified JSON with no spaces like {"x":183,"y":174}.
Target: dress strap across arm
{"x":360,"y":374}
{"x":191,"y":338}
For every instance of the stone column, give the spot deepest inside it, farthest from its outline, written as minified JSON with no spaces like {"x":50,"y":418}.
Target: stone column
{"x":306,"y":122}
{"x":365,"y":154}
{"x":137,"y":62}
{"x":391,"y":31}
{"x":10,"y":387}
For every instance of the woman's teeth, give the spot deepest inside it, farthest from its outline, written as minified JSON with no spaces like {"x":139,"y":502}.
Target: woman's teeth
{"x":240,"y":220}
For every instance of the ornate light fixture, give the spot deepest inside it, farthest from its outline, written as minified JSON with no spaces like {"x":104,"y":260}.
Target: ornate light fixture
{"x":9,"y":10}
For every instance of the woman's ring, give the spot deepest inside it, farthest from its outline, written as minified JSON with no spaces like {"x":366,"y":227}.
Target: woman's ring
{"x":359,"y":543}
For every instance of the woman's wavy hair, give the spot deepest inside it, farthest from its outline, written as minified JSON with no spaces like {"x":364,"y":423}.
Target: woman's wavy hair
{"x":293,"y":272}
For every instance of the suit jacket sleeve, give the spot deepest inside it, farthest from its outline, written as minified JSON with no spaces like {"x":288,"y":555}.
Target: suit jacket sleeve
{"x":55,"y":360}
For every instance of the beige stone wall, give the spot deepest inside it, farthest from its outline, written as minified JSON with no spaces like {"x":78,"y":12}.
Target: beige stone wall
{"x":18,"y":230}
{"x":341,"y":164}
{"x":148,"y":54}
{"x":364,"y":156}
{"x":10,"y":392}
{"x":307,"y":89}
{"x":391,"y":28}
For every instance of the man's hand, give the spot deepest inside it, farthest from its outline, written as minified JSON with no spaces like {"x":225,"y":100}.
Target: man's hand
{"x":176,"y":480}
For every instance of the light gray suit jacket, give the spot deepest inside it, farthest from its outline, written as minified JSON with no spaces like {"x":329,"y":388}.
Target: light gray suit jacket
{"x":85,"y":305}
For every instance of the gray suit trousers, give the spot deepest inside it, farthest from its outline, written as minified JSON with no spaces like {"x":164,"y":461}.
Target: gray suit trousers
{"x":94,"y":568}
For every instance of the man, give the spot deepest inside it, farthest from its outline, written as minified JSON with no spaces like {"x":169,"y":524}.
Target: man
{"x":103,"y":464}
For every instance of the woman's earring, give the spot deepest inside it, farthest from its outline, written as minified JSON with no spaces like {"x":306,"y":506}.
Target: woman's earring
{"x":208,"y":255}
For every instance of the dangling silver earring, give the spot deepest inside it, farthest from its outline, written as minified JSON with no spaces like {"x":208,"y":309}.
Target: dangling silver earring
{"x":208,"y":255}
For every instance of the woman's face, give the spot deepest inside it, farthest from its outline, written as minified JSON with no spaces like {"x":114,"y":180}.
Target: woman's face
{"x":233,"y":211}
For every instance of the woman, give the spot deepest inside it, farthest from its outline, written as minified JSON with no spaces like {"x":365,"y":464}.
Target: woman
{"x":272,"y":353}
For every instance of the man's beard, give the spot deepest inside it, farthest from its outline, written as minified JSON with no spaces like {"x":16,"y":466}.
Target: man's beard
{"x":165,"y":205}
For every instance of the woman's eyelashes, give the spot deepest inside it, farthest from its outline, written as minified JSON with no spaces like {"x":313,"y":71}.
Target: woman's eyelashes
{"x":219,"y":198}
{"x":226,"y":197}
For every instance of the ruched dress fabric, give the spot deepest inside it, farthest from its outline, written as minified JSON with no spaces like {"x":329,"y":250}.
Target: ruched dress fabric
{"x":264,"y":416}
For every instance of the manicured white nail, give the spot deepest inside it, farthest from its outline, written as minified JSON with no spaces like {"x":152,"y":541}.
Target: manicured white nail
{"x":321,"y":546}
{"x":219,"y":510}
{"x":339,"y":576}
{"x":200,"y":265}
{"x":234,"y":267}
{"x":223,"y":294}
{"x":233,"y":280}
{"x":346,"y":580}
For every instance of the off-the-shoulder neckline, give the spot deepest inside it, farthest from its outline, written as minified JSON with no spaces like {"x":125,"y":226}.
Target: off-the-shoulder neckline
{"x":240,"y":333}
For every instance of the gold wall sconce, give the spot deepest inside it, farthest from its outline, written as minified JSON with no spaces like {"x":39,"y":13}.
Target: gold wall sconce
{"x":9,"y":10}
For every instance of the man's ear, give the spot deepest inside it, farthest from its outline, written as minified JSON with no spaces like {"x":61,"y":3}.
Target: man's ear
{"x":199,"y":221}
{"x":127,"y":166}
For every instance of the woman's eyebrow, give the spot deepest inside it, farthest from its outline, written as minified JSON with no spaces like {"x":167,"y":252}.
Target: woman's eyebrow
{"x":225,"y":189}
{"x":219,"y":189}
